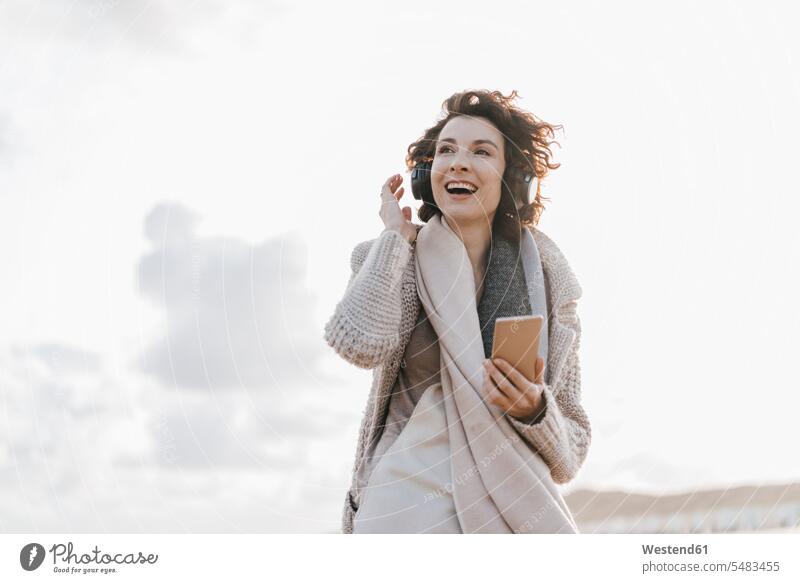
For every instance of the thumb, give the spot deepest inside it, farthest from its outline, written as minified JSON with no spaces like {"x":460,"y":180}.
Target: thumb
{"x":407,"y":212}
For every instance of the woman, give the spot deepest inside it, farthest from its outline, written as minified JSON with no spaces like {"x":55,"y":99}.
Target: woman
{"x":451,"y":440}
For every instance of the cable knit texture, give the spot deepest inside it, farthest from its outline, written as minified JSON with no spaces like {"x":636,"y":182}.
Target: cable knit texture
{"x":372,"y":324}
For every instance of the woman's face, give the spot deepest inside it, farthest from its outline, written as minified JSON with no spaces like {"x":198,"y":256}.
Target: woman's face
{"x":468,"y":150}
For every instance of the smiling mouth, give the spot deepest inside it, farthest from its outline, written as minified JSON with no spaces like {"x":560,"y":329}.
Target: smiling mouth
{"x":460,"y":188}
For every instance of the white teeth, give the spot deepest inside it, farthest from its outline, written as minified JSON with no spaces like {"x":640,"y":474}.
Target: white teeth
{"x":464,"y":185}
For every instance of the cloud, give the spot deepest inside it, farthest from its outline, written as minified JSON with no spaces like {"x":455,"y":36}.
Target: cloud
{"x":60,"y":357}
{"x":61,"y":427}
{"x":190,"y":431}
{"x":99,"y":452}
{"x":236,"y":315}
{"x":86,"y":445}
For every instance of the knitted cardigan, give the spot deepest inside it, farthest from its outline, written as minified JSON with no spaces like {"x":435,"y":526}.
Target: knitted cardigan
{"x":373,"y":322}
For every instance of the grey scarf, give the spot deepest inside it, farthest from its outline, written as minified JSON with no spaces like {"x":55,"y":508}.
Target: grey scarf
{"x":512,"y":284}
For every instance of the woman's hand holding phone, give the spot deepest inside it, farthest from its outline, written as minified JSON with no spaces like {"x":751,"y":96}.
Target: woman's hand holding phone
{"x":392,"y":216}
{"x":506,"y":387}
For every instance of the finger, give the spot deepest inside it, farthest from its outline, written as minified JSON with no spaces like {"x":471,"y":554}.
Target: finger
{"x":488,"y":385}
{"x":512,"y":373}
{"x":389,"y":187}
{"x":503,"y":384}
{"x":496,"y":397}
{"x":386,"y":193}
{"x":399,"y":193}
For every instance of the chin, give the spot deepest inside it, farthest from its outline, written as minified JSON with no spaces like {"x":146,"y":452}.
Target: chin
{"x":464,"y":216}
{"x":464,"y":211}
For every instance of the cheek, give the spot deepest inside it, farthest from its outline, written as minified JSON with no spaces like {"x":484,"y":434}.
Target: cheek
{"x":438,"y":170}
{"x":492,"y":175}
{"x":490,"y":197}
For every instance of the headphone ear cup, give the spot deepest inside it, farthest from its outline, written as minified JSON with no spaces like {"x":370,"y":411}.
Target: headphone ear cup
{"x":421,"y":183}
{"x":520,"y":182}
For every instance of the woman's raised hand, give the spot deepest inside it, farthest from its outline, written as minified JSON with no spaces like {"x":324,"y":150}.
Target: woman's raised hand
{"x":393,"y":218}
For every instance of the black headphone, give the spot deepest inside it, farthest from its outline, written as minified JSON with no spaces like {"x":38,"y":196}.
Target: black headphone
{"x":519,"y":183}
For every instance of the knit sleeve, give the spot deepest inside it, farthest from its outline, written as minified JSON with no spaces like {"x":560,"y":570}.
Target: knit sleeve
{"x":561,"y":434}
{"x":365,"y":326}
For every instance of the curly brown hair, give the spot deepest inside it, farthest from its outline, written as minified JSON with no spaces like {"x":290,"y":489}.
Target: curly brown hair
{"x":526,"y":147}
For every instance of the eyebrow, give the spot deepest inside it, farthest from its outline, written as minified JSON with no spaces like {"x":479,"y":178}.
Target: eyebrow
{"x":452,"y":141}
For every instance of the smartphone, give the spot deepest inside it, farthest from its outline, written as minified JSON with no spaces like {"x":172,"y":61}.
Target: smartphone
{"x":516,"y":340}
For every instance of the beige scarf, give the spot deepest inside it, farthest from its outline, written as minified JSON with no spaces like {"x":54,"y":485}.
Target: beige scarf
{"x":499,"y":484}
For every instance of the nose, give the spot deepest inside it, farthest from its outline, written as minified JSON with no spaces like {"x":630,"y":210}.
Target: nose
{"x":459,"y":160}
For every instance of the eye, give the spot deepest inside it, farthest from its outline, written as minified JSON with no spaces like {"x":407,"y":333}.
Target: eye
{"x":443,"y":148}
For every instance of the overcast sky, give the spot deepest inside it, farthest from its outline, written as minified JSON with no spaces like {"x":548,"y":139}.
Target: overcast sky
{"x":181,"y":184}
